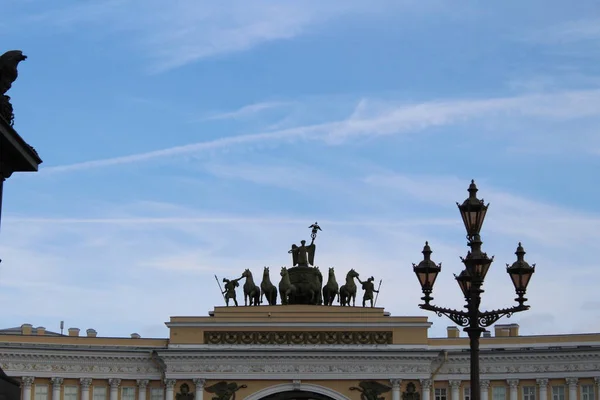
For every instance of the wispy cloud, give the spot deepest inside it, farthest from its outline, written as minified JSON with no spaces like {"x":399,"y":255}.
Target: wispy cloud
{"x":246,"y":111}
{"x":388,"y":119}
{"x":190,"y":30}
{"x":567,"y":32}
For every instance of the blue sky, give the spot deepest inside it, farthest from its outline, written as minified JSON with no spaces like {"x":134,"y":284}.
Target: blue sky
{"x":202,"y":138}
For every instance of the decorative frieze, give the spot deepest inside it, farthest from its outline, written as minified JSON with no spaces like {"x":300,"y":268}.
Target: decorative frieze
{"x":290,"y":361}
{"x":65,"y":363}
{"x":298,"y":337}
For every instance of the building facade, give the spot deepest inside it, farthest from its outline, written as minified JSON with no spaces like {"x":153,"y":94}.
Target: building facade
{"x":299,"y":352}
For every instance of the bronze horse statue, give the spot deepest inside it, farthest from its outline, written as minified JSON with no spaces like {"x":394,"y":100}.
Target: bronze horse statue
{"x":267,"y":288}
{"x":331,"y":289}
{"x":348,"y":291}
{"x":251,"y":291}
{"x":286,"y":289}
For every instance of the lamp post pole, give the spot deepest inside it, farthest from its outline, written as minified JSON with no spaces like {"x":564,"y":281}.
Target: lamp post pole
{"x":471,"y":280}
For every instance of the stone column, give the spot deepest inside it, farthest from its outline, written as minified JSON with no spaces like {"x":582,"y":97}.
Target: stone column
{"x":114,"y":388}
{"x":395,"y":388}
{"x":572,"y":383}
{"x":543,"y":385}
{"x":170,"y":386}
{"x":597,"y":382}
{"x":199,"y":382}
{"x":26,"y":383}
{"x":56,"y":384}
{"x":142,"y":385}
{"x":514,"y":388}
{"x":484,"y":387}
{"x":85,"y":384}
{"x":426,"y":386}
{"x":455,"y":387}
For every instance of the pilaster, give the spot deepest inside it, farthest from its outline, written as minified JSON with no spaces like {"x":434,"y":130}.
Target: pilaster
{"x":484,"y":387}
{"x":396,"y":388}
{"x":199,"y":382}
{"x":56,"y":385}
{"x":426,"y":388}
{"x":514,"y":388}
{"x":543,"y":385}
{"x":455,"y":388}
{"x":26,"y":383}
{"x":142,"y":385}
{"x":572,"y":384}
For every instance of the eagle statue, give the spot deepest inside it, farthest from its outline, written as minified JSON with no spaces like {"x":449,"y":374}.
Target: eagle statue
{"x":9,"y":62}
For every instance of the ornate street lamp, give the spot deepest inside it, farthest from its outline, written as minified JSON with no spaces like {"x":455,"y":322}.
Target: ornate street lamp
{"x":473,"y":211}
{"x":470,"y":281}
{"x":427,"y":271}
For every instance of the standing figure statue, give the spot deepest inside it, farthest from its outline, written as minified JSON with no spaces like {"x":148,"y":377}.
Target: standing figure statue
{"x":229,"y":291}
{"x":369,"y":288}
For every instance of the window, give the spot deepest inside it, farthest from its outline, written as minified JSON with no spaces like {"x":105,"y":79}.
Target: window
{"x":587,"y":392}
{"x":41,"y":392}
{"x":467,"y":393}
{"x":529,"y":393}
{"x":128,"y":393}
{"x":99,"y":393}
{"x":440,"y":394}
{"x":558,"y":393}
{"x":499,"y":393}
{"x":156,"y":393}
{"x":70,"y":393}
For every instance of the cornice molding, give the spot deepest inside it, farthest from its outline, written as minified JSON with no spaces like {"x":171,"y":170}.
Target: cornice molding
{"x":292,"y":363}
{"x":274,"y":325}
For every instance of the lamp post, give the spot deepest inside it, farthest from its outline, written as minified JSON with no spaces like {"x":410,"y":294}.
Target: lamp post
{"x":470,"y":281}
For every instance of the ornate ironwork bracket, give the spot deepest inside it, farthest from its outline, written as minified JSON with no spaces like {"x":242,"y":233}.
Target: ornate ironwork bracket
{"x":488,"y":318}
{"x":484,"y":319}
{"x":460,"y":318}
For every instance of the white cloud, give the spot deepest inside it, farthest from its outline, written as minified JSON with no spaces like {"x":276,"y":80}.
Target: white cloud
{"x":132,"y":272}
{"x":246,"y":111}
{"x":388,"y":119}
{"x":190,"y":30}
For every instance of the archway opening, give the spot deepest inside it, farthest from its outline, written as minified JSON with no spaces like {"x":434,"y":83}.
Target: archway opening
{"x":297,"y":395}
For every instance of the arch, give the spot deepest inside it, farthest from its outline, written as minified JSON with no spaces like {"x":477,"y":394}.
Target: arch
{"x":303,"y":387}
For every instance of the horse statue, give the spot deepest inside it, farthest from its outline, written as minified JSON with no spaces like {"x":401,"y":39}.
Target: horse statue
{"x":267,"y":289}
{"x":320,"y":286}
{"x":331,"y":289}
{"x":251,"y":291}
{"x":348,"y":291}
{"x":286,"y":289}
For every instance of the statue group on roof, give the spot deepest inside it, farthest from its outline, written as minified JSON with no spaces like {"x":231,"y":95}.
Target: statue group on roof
{"x":302,"y":283}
